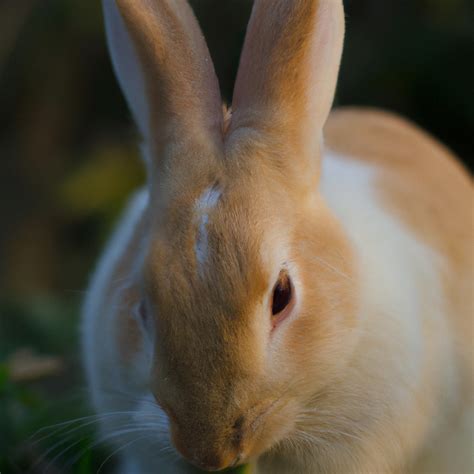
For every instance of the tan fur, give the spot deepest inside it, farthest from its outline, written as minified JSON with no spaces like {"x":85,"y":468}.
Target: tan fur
{"x":181,"y":87}
{"x":287,"y":75}
{"x":234,"y":388}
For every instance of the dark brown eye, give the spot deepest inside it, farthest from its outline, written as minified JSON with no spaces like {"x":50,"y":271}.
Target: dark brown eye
{"x":282,"y":294}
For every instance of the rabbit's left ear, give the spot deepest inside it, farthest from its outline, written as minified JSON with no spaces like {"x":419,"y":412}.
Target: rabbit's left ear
{"x":288,"y":70}
{"x":164,"y":69}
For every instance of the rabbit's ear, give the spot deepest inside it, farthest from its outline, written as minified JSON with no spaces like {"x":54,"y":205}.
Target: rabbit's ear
{"x":164,"y":68}
{"x":126,"y":65}
{"x":289,"y":67}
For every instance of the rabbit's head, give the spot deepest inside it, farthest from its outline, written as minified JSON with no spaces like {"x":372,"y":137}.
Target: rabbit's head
{"x":246,"y":287}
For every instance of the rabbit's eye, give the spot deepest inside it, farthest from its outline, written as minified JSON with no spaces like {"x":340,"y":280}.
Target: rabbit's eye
{"x":142,"y":312}
{"x":144,"y":315}
{"x":282,"y":294}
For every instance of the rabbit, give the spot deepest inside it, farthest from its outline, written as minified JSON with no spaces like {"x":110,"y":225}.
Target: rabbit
{"x":292,"y":289}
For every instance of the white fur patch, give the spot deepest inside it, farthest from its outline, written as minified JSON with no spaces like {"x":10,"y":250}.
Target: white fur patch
{"x":401,"y":289}
{"x":204,"y":205}
{"x":98,"y":317}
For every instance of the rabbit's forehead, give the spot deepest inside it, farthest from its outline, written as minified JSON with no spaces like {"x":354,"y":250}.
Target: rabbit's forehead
{"x":213,"y":240}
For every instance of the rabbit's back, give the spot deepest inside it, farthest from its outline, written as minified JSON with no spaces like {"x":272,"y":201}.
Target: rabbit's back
{"x":406,"y":203}
{"x":419,"y":180}
{"x":422,"y":184}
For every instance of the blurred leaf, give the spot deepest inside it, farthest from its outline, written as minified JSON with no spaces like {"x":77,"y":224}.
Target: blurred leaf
{"x":25,"y":365}
{"x":107,"y":176}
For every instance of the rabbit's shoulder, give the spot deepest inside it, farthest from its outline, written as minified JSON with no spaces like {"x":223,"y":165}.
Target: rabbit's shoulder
{"x":419,"y":182}
{"x":418,"y":179}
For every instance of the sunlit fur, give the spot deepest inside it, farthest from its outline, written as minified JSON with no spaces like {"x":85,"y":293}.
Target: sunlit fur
{"x":372,"y":370}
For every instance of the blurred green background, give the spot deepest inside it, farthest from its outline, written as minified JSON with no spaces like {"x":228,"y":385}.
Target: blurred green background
{"x":69,"y":160}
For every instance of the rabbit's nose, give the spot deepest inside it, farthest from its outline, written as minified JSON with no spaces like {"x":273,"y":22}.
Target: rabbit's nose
{"x":210,"y":454}
{"x":213,"y":461}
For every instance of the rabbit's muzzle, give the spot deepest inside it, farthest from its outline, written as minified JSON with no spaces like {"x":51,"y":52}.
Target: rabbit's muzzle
{"x":211,"y":451}
{"x":218,"y":441}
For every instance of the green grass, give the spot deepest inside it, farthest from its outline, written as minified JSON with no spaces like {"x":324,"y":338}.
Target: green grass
{"x":30,"y":409}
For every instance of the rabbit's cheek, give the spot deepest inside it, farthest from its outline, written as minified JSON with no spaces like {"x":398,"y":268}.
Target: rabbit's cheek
{"x":271,"y":427}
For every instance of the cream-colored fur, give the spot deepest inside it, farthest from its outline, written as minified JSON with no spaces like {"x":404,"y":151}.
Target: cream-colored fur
{"x":370,"y":369}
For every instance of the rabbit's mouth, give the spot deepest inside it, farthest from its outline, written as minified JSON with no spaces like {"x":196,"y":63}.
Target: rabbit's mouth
{"x":249,"y":436}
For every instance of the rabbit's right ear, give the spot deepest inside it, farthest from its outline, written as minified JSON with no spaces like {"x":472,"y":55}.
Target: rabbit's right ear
{"x":164,"y":69}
